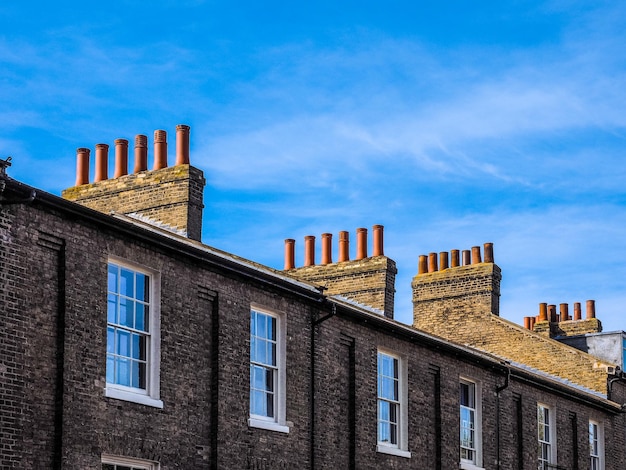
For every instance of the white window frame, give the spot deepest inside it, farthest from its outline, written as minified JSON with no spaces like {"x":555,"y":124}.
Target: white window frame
{"x":477,"y":461}
{"x":278,"y":422}
{"x":149,"y":396}
{"x":596,"y":451}
{"x":135,"y":464}
{"x":401,"y":447}
{"x":551,"y":441}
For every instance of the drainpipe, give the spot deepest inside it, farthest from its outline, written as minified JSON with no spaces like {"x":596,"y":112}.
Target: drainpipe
{"x":498,"y":391}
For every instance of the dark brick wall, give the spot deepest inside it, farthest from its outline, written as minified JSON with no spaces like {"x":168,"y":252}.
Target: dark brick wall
{"x":52,"y":370}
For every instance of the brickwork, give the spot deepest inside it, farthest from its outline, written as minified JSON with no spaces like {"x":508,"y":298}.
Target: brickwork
{"x":456,"y":304}
{"x":517,"y":433}
{"x":171,"y":196}
{"x":369,"y":281}
{"x":53,"y":339}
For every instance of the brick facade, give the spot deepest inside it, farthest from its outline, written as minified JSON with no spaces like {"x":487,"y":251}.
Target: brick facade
{"x":53,"y":349}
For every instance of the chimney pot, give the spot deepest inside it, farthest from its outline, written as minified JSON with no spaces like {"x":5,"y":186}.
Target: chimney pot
{"x":591,"y":309}
{"x":344,"y":246}
{"x":443,"y":260}
{"x":527,"y":323}
{"x":422,"y":264}
{"x":476,"y":255}
{"x":361,"y":243}
{"x":309,"y":250}
{"x":552,"y":313}
{"x":160,"y":149}
{"x":577,"y":311}
{"x":182,"y":144}
{"x":532,"y":323}
{"x":564,"y":312}
{"x":82,"y":166}
{"x":141,"y":153}
{"x":432,"y":262}
{"x":102,"y":162}
{"x":466,"y":258}
{"x":488,"y":252}
{"x":378,"y":240}
{"x":543,"y":312}
{"x":121,"y":158}
{"x":290,"y":248}
{"x":327,"y":255}
{"x":454,"y":258}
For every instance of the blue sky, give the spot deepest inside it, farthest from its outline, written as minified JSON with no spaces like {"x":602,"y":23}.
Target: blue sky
{"x":452,"y":125}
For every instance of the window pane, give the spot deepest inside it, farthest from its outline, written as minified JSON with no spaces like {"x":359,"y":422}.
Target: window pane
{"x":123,"y":372}
{"x":142,"y":287}
{"x":127,"y":281}
{"x":112,"y":308}
{"x":261,"y":325}
{"x":127,"y":312}
{"x":110,"y":340}
{"x":141,"y":312}
{"x":110,"y":369}
{"x":112,"y":278}
{"x":123,"y":343}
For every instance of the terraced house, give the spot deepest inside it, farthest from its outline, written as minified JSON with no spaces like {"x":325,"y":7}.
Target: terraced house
{"x":127,"y":343}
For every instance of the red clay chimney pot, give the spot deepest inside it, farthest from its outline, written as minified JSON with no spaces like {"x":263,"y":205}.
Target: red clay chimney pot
{"x":454,"y":258}
{"x":466,"y":258}
{"x":591,"y":309}
{"x":377,"y":249}
{"x":563,"y":308}
{"x":290,"y":254}
{"x":543,"y":312}
{"x":577,"y":311}
{"x":82,"y":166}
{"x":488,"y":252}
{"x":443,"y":260}
{"x":432,"y":263}
{"x":141,"y":153}
{"x":552,"y":313}
{"x":309,"y":250}
{"x":476,"y":255}
{"x":422,"y":264}
{"x":121,"y":158}
{"x":182,"y":144}
{"x":102,"y":162}
{"x":160,"y":149}
{"x":344,"y":246}
{"x":327,"y":241}
{"x":361,"y":243}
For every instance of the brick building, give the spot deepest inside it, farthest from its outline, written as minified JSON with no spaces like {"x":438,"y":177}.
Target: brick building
{"x":126,"y":343}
